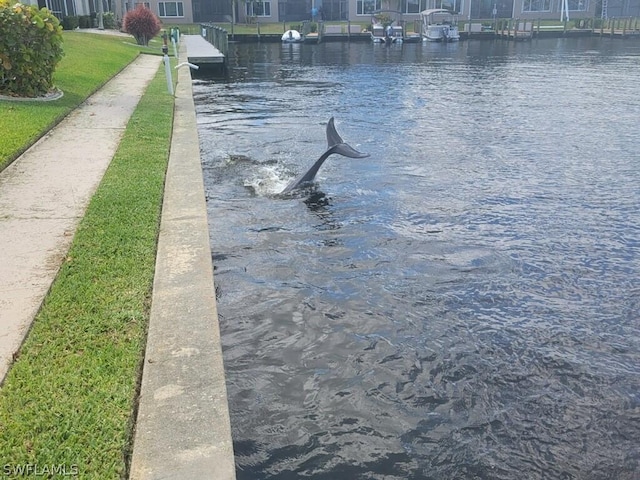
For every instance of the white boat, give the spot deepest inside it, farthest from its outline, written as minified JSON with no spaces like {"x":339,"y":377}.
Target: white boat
{"x":291,"y":36}
{"x":390,"y":34}
{"x":386,"y":27}
{"x":439,"y":25}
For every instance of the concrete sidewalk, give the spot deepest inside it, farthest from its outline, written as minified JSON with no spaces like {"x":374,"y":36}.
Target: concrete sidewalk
{"x":45,"y":192}
{"x":183,"y":428}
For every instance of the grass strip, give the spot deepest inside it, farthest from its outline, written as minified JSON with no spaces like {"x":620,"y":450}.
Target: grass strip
{"x":69,"y":398}
{"x":90,"y":61}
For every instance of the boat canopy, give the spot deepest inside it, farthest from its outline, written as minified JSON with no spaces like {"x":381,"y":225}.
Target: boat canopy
{"x":395,"y":12}
{"x":394,"y":15}
{"x":426,"y":13}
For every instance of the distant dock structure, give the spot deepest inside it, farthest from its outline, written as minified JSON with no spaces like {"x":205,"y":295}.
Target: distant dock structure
{"x":206,"y":54}
{"x":210,"y":49}
{"x":514,"y":30}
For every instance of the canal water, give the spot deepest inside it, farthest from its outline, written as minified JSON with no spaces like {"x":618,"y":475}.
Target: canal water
{"x":462,"y":304}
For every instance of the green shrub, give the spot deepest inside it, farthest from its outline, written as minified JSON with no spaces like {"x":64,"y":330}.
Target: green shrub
{"x":30,"y":49}
{"x":71,"y":22}
{"x":84,"y":21}
{"x":109,"y":21}
{"x":142,"y":23}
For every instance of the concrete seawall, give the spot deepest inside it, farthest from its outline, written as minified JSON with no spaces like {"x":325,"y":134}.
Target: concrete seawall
{"x":183,"y":429}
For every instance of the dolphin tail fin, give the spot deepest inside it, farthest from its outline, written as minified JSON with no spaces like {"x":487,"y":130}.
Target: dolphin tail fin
{"x":333,"y":137}
{"x":347,"y":151}
{"x":337,"y":145}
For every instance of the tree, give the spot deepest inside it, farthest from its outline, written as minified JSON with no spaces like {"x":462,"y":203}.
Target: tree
{"x":142,"y":23}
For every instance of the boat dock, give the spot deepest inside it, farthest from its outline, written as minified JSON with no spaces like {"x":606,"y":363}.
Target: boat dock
{"x":214,"y":40}
{"x":202,"y":53}
{"x":514,"y":30}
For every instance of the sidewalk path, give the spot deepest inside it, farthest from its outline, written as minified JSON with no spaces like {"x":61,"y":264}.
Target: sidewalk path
{"x":45,"y":192}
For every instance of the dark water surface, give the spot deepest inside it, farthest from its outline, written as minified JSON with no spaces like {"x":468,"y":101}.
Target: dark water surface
{"x":464,"y":303}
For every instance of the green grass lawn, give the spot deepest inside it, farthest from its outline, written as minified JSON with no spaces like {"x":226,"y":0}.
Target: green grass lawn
{"x":90,"y":61}
{"x":70,"y":397}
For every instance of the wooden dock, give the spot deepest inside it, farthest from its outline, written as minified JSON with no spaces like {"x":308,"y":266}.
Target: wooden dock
{"x":515,"y":34}
{"x":202,"y":53}
{"x":515,"y":30}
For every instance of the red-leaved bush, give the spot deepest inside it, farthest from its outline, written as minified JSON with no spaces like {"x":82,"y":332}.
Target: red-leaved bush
{"x":142,"y":23}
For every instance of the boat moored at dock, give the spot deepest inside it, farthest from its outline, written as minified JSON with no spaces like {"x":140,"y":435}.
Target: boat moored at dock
{"x":439,"y":25}
{"x":387,"y":27}
{"x":388,"y":34}
{"x":291,"y":36}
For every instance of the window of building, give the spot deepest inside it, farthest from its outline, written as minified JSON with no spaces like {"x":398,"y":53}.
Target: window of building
{"x":484,"y":8}
{"x":536,"y":6}
{"x":258,"y":9}
{"x":578,"y":5}
{"x":454,"y":6}
{"x":132,"y":6}
{"x":415,"y":6}
{"x":367,"y":7}
{"x":170,"y":9}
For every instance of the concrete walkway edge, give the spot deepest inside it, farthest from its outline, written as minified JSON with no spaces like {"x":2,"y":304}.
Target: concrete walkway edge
{"x":183,"y":428}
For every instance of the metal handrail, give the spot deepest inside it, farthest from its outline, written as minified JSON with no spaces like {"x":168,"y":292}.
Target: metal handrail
{"x":216,"y":36}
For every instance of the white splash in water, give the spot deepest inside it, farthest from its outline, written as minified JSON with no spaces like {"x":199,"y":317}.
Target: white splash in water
{"x":268,"y":180}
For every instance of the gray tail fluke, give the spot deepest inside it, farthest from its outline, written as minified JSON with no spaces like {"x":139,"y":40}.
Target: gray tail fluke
{"x":333,"y":137}
{"x":337,"y":145}
{"x":347,"y":151}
